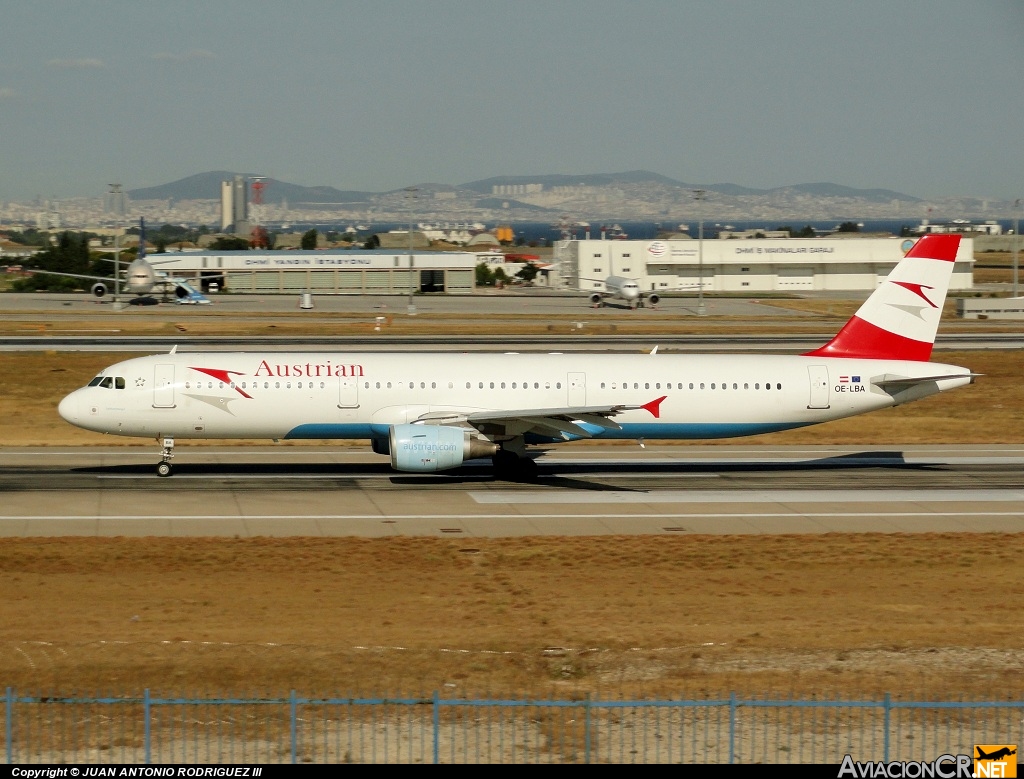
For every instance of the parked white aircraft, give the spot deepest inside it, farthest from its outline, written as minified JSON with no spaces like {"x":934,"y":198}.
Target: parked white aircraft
{"x":140,"y":279}
{"x":623,"y":289}
{"x":431,"y":412}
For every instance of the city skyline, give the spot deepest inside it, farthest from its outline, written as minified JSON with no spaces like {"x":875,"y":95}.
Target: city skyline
{"x":915,"y":97}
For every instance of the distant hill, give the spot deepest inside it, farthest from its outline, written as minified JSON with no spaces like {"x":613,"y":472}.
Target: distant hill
{"x":206,"y":186}
{"x":484,"y":186}
{"x":500,"y":202}
{"x":835,"y":190}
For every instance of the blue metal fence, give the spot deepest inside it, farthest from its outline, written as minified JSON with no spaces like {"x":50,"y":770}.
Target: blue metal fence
{"x":432,"y":729}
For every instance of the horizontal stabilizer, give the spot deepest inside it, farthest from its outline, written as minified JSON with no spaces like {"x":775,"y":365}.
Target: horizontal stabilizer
{"x":898,"y":382}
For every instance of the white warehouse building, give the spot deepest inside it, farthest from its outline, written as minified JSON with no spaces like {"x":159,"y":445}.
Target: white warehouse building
{"x":339,"y":271}
{"x":754,"y":265}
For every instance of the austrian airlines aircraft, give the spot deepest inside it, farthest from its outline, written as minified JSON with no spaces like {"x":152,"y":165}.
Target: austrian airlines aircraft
{"x":431,"y":412}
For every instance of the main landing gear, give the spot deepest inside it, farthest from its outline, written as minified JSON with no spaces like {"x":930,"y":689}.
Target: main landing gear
{"x":164,"y":468}
{"x":509,"y":466}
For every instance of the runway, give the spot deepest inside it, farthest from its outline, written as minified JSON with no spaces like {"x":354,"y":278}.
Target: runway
{"x":581,"y":491}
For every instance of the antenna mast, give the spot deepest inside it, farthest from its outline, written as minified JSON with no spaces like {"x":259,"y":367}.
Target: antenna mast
{"x":258,"y":238}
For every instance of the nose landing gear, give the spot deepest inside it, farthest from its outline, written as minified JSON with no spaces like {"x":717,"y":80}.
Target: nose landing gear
{"x":164,"y":468}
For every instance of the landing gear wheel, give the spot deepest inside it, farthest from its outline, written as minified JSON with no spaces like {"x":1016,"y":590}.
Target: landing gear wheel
{"x":504,"y":463}
{"x":511,"y":467}
{"x":526,"y":469}
{"x":164,"y":468}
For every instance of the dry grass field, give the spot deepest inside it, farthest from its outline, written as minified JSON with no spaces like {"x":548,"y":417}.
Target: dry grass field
{"x":933,"y":614}
{"x":922,"y":614}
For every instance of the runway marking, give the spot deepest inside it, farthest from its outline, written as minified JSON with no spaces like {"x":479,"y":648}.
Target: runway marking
{"x":448,"y":517}
{"x":753,"y":496}
{"x":395,"y":474}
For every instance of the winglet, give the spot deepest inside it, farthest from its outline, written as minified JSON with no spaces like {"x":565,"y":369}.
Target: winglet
{"x":654,"y":406}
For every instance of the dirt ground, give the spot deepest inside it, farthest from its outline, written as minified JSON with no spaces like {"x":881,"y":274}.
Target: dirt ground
{"x":934,"y":615}
{"x":914,"y":615}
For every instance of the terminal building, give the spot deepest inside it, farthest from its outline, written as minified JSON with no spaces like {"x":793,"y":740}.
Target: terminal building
{"x":754,"y":265}
{"x":339,"y":271}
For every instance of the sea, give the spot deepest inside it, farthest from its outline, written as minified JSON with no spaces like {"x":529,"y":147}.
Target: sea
{"x":539,"y":233}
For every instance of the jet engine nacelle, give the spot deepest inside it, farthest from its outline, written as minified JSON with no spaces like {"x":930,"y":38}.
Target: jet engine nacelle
{"x":595,"y":299}
{"x":430,"y":448}
{"x":99,"y":289}
{"x":653,"y":298}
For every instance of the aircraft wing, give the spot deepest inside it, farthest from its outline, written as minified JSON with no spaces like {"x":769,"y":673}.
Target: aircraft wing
{"x":591,"y":291}
{"x":572,"y":421}
{"x":41,"y":272}
{"x":124,"y":262}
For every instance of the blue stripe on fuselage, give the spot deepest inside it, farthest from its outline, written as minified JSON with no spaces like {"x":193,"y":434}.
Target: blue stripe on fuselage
{"x":651,"y":430}
{"x":315,"y":430}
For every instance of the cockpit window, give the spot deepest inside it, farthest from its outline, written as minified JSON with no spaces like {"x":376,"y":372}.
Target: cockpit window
{"x":108,"y":382}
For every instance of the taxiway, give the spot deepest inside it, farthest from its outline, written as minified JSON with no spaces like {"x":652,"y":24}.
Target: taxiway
{"x":594,"y":490}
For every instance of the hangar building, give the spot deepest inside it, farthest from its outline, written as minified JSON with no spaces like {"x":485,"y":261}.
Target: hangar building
{"x":337,"y":271}
{"x":754,"y":265}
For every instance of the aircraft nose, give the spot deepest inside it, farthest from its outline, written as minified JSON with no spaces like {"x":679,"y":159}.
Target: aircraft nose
{"x":68,"y":408}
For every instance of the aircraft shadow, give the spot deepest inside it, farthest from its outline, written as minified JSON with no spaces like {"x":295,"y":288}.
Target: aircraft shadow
{"x":577,"y":475}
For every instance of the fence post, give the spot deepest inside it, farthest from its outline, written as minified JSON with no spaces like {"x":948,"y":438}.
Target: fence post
{"x":887,"y":704}
{"x":10,"y":730}
{"x":437,"y":727}
{"x":294,"y":714}
{"x":586,"y":729}
{"x":145,"y":725}
{"x":732,"y":727}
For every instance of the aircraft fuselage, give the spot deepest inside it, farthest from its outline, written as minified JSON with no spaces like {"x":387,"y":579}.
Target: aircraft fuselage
{"x":337,"y":395}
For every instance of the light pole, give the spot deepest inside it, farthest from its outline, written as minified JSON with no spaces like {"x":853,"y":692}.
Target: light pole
{"x":1016,"y":243}
{"x":115,"y":203}
{"x":411,"y":194}
{"x":699,"y":195}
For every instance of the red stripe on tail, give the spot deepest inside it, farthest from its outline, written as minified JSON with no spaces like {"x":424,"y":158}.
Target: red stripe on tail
{"x":936,"y":247}
{"x":863,"y":339}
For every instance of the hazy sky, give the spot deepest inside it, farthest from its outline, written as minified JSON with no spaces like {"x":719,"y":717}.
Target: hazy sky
{"x":919,"y":96}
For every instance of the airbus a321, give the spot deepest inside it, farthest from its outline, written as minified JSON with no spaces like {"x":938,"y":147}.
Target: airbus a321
{"x":433,"y":412}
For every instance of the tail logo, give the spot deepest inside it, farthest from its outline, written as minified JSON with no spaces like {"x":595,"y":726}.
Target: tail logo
{"x":917,"y":289}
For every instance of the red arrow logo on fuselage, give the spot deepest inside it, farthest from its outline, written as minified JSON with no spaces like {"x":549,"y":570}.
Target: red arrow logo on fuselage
{"x":224,"y":376}
{"x":654,"y":406}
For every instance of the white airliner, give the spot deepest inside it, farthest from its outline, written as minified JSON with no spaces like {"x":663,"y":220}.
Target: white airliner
{"x":140,"y":279}
{"x":431,"y":412}
{"x":624,"y":289}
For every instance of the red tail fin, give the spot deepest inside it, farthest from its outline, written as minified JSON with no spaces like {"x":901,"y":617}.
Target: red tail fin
{"x":900,"y":319}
